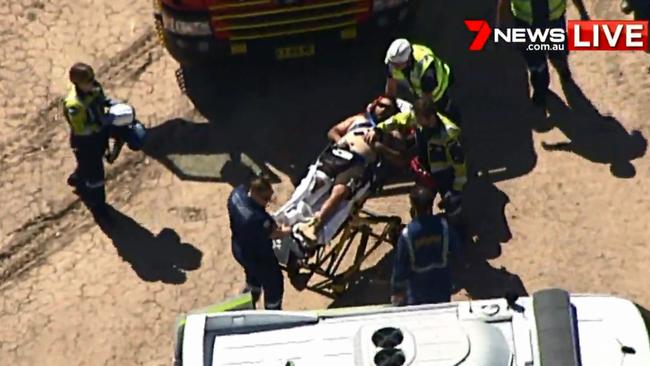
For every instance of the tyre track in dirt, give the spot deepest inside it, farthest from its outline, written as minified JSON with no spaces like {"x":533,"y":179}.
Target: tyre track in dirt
{"x":43,"y":211}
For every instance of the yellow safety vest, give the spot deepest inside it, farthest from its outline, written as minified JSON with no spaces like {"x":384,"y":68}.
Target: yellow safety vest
{"x":423,"y":57}
{"x":84,"y":113}
{"x":523,"y":9}
{"x":439,"y":149}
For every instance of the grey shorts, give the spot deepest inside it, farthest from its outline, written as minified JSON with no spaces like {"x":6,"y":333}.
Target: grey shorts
{"x":351,"y":176}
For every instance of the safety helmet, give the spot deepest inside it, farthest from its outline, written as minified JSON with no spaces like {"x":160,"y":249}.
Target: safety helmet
{"x":399,"y":51}
{"x":121,"y":114}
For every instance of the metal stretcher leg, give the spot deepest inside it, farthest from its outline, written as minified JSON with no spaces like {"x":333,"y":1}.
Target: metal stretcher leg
{"x":364,"y":230}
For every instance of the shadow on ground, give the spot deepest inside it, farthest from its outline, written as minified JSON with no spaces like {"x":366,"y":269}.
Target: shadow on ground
{"x":479,"y":279}
{"x":278,"y":114}
{"x":597,"y":138}
{"x":161,"y":257}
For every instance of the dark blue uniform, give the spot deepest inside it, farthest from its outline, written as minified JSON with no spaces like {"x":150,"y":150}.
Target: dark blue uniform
{"x":421,"y":267}
{"x":251,"y":227}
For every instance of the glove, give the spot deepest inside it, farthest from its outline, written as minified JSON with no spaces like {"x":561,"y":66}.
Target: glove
{"x":422,"y":177}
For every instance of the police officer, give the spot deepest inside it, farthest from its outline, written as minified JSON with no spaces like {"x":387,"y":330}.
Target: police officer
{"x":84,"y":109}
{"x":541,"y":14}
{"x":252,"y":230}
{"x":425,"y":74}
{"x":421,"y":273}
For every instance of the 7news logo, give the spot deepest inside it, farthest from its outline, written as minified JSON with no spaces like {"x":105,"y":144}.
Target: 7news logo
{"x":590,"y":35}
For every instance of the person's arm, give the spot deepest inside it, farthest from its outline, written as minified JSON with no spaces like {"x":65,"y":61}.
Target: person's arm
{"x":581,"y":9}
{"x":338,"y":131}
{"x":401,"y":272}
{"x":393,"y":156}
{"x":280,"y":232}
{"x":391,"y":83}
{"x":399,"y":122}
{"x":502,"y":6}
{"x":108,"y":102}
{"x":271,"y":228}
{"x":429,"y":81}
{"x":76,"y":116}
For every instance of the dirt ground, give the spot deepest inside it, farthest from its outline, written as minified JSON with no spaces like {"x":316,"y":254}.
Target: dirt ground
{"x":562,"y":208}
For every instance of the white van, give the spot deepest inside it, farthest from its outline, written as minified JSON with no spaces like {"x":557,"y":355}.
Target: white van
{"x":550,"y":328}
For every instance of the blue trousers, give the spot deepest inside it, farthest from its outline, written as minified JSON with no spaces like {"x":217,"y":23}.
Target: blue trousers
{"x":88,"y":176}
{"x":262,"y":273}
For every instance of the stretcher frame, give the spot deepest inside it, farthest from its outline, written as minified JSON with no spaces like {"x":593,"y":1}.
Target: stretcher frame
{"x":327,"y":260}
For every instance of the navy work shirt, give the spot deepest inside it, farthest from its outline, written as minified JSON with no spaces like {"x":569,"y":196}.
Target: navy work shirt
{"x":250,"y":226}
{"x":421,"y":267}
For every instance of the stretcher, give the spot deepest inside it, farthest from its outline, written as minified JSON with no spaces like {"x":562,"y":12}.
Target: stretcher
{"x":348,"y":227}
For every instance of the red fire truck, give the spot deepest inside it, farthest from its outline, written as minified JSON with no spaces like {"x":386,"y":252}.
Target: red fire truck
{"x":195,"y":31}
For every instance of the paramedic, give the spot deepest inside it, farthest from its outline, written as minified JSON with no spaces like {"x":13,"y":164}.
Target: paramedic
{"x":349,"y":174}
{"x":84,"y":110}
{"x":424,"y":73}
{"x":541,"y":14}
{"x":421,"y":273}
{"x":439,"y":161}
{"x":252,"y":230}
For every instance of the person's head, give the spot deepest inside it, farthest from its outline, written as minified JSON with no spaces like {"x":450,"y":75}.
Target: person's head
{"x":399,"y":54}
{"x":82,"y":76}
{"x":425,"y":112}
{"x":260,"y":190}
{"x":421,"y":199}
{"x":382,"y":108}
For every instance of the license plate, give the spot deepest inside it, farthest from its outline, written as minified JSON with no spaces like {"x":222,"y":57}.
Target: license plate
{"x":284,"y":53}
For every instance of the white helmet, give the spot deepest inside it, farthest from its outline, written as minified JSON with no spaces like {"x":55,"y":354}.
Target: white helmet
{"x":121,"y":114}
{"x":399,"y":51}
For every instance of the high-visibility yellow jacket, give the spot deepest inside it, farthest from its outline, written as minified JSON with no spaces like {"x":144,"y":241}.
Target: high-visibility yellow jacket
{"x":523,"y":9}
{"x":84,"y":112}
{"x":440,"y":146}
{"x":424,"y":57}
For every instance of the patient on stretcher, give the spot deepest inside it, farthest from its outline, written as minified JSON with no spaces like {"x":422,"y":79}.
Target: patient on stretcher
{"x":346,"y":165}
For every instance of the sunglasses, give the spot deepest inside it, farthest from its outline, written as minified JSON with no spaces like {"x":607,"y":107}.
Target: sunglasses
{"x":385,"y":105}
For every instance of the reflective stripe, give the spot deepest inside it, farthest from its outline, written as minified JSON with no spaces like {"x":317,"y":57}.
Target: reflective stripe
{"x":444,"y":254}
{"x":273,"y":305}
{"x":541,"y":67}
{"x":253,"y":288}
{"x":94,"y":185}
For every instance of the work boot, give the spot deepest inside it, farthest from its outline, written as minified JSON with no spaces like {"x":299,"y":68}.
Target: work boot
{"x":255,"y":292}
{"x":309,"y":229}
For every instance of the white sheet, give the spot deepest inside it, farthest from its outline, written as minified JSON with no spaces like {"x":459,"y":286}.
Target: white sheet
{"x":301,"y":206}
